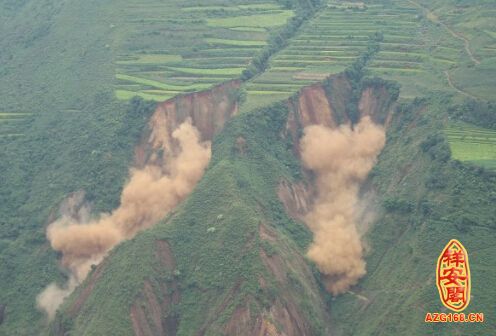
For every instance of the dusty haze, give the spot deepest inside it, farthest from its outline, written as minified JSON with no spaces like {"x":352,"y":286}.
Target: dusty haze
{"x":148,"y":196}
{"x":341,"y":159}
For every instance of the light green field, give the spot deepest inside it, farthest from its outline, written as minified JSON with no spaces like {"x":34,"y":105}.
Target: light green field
{"x":262,"y":6}
{"x":206,"y":72}
{"x":10,"y":123}
{"x":5,"y":120}
{"x":249,"y":29}
{"x":271,"y":20}
{"x":160,"y":85}
{"x":235,"y":42}
{"x":287,"y":68}
{"x":472,"y":144}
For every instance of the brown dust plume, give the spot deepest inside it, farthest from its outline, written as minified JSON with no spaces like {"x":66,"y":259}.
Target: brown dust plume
{"x":149,"y":195}
{"x":341,"y":159}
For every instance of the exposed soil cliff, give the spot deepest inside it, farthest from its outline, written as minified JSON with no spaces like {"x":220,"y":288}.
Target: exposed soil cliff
{"x":208,"y":111}
{"x":325,"y":104}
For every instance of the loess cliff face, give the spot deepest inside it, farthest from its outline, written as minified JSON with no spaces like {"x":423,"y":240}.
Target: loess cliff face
{"x":325,"y":104}
{"x":288,"y":299}
{"x":207,"y":110}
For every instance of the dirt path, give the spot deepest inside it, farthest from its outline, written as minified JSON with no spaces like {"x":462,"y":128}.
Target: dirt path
{"x":433,"y":18}
{"x":466,"y":43}
{"x":450,"y":83}
{"x":361,"y":297}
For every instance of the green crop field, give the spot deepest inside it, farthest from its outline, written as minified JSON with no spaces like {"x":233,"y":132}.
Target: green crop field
{"x":235,"y":42}
{"x":416,"y":50}
{"x":340,"y":32}
{"x":275,"y":19}
{"x":472,"y":144}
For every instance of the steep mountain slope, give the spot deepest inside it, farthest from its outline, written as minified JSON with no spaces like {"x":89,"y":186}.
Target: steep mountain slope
{"x":228,"y":261}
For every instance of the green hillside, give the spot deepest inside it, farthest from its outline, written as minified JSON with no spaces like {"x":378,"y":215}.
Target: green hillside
{"x":472,"y":144}
{"x":427,"y":197}
{"x":80,"y":80}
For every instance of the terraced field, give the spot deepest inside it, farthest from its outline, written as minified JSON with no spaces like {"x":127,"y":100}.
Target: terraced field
{"x":472,"y":144}
{"x":414,"y":50}
{"x":471,"y":21}
{"x":184,"y":53}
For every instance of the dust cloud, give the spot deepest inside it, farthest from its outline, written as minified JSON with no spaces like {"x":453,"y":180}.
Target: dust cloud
{"x":341,"y":159}
{"x":150,"y":194}
{"x":53,"y":296}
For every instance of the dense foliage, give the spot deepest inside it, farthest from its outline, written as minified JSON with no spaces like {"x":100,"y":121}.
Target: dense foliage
{"x":481,"y":113}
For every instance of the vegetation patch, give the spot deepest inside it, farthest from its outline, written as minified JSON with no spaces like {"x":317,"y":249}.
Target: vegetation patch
{"x":472,"y":144}
{"x":236,"y":42}
{"x":149,"y":59}
{"x":262,"y":20}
